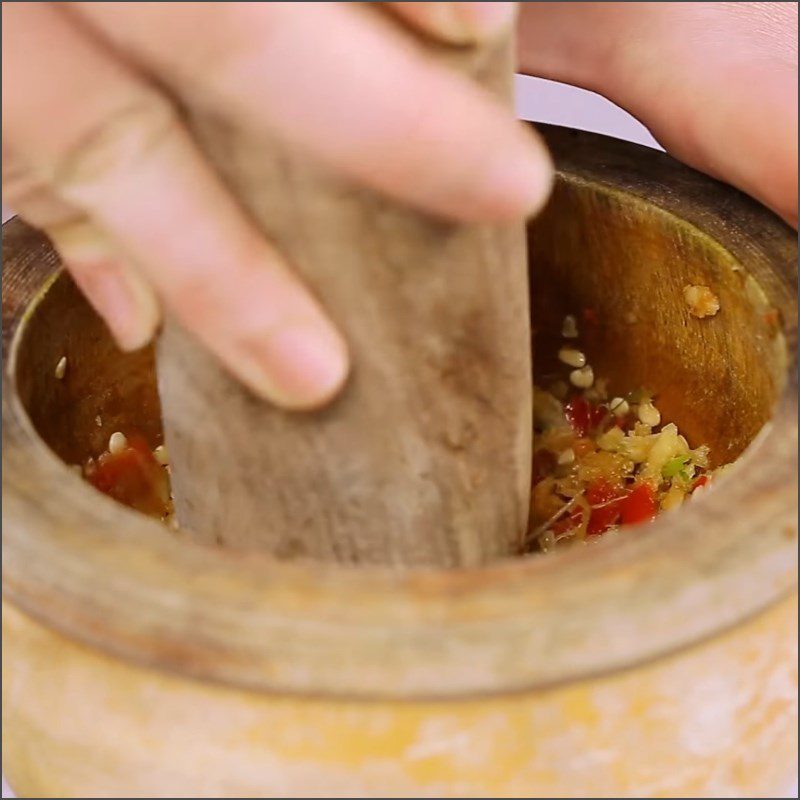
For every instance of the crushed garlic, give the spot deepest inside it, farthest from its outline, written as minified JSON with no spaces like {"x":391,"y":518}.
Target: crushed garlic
{"x":701,"y":300}
{"x":161,"y":455}
{"x":566,"y":457}
{"x":649,"y":414}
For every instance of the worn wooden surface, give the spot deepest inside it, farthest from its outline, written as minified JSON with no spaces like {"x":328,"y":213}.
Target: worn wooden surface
{"x":425,"y":458}
{"x":102,"y":574}
{"x":715,"y":720}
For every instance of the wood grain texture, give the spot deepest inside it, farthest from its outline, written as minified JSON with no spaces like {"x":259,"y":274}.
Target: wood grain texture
{"x":425,"y":458}
{"x":125,"y":585}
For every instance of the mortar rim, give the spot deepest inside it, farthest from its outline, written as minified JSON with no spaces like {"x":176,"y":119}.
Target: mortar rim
{"x":424,"y":606}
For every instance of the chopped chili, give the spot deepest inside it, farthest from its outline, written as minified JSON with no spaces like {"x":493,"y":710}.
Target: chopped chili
{"x":133,"y":477}
{"x":639,"y":506}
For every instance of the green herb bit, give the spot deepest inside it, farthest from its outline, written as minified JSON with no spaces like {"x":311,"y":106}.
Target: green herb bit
{"x":675,"y":467}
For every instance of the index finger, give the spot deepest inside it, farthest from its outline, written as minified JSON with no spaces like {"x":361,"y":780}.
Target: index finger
{"x":348,"y":86}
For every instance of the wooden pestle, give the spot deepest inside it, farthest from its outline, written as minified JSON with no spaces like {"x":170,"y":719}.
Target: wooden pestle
{"x":425,"y":457}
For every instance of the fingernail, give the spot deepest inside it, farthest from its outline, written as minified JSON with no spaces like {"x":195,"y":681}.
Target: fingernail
{"x":485,"y":20}
{"x":123,"y":300}
{"x":139,"y":315}
{"x":516,"y":180}
{"x":302,"y":366}
{"x":467,"y":23}
{"x":113,"y":287}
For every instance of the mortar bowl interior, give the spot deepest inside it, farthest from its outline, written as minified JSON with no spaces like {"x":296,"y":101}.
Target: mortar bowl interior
{"x":618,"y":265}
{"x":626,"y":229}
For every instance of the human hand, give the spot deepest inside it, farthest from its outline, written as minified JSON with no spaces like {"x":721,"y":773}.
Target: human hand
{"x":95,"y":154}
{"x":716,"y":83}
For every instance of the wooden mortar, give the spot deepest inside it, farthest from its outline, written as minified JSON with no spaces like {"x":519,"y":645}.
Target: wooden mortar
{"x":425,"y":457}
{"x":660,"y":662}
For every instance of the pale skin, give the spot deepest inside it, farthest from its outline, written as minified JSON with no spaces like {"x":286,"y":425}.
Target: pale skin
{"x":91,"y":136}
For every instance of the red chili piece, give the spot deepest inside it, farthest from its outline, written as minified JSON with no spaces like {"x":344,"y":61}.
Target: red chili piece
{"x":583,"y":416}
{"x":609,"y":498}
{"x":133,"y":477}
{"x":639,"y":506}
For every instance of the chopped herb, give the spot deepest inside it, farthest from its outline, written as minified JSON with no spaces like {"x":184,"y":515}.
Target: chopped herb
{"x":675,"y":467}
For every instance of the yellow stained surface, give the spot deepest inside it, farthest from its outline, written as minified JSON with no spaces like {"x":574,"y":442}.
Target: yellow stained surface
{"x":717,"y":719}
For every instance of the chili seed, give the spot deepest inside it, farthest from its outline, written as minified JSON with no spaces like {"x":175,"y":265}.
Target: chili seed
{"x":61,"y":367}
{"x":569,"y":327}
{"x":572,"y":357}
{"x":619,"y":406}
{"x":117,"y":443}
{"x":582,"y":378}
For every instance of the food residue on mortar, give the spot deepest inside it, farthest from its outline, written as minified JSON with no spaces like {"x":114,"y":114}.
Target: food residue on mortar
{"x":701,"y":300}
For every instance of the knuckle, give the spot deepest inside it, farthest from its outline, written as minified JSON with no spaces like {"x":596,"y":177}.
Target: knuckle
{"x":19,"y":182}
{"x":116,"y":143}
{"x":29,"y":195}
{"x":85,"y":250}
